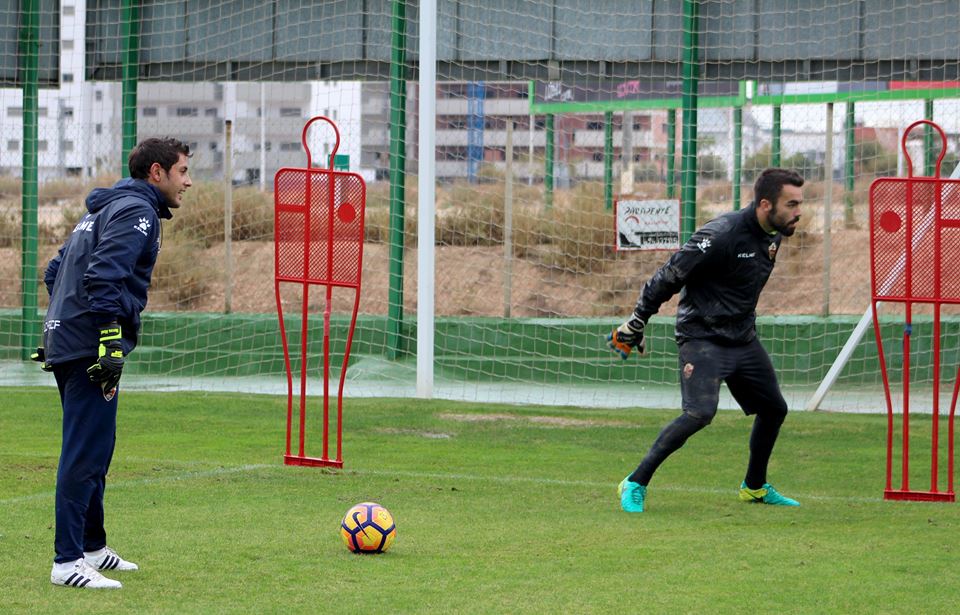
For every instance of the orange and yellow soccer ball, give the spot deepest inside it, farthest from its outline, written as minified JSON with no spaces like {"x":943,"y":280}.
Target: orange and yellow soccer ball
{"x":368,"y":528}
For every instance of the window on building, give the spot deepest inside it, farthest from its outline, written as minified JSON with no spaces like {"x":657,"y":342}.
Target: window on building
{"x":451,"y":122}
{"x":451,"y":152}
{"x":67,"y":78}
{"x":66,"y":146}
{"x":187,"y":112}
{"x":642,"y":122}
{"x":290,"y":112}
{"x":98,"y":129}
{"x":452,"y":90}
{"x":98,"y":95}
{"x":18,"y":111}
{"x":149,"y":112}
{"x":268,"y":146}
{"x":66,"y":44}
{"x":213,"y":146}
{"x":290,"y":146}
{"x":69,"y":10}
{"x":594,"y":125}
{"x":42,"y":146}
{"x":211,"y":112}
{"x":597,"y":156}
{"x":67,"y":112}
{"x":13,"y":145}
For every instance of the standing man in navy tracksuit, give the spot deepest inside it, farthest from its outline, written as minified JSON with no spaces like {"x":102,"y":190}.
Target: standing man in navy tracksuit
{"x":98,"y":288}
{"x":719,"y":274}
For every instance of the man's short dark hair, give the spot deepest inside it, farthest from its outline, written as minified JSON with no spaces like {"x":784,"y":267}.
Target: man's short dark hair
{"x":165,"y":151}
{"x":770,"y":183}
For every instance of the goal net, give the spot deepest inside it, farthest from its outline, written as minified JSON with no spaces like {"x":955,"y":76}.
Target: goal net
{"x":547,"y":114}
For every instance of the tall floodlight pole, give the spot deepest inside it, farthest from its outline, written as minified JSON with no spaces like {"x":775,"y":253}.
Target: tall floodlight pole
{"x":688,"y":162}
{"x":130,"y":34}
{"x":29,"y":63}
{"x":398,"y":112}
{"x":426,"y":186}
{"x":737,"y":154}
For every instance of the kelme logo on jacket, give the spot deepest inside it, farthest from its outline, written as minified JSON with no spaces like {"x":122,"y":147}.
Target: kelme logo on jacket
{"x":143,"y":225}
{"x":84,"y":225}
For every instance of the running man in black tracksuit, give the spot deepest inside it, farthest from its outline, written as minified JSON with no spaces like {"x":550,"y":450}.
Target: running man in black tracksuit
{"x":719,"y":274}
{"x":98,"y":287}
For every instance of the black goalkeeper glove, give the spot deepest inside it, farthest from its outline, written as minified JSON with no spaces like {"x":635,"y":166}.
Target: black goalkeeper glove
{"x":40,"y":356}
{"x":109,"y":363}
{"x":628,"y":336}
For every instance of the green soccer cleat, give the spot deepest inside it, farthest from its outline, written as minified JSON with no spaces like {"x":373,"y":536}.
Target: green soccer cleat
{"x":765,"y":495}
{"x":631,"y":496}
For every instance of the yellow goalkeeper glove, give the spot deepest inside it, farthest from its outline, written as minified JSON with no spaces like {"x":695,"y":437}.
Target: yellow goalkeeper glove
{"x":109,"y":363}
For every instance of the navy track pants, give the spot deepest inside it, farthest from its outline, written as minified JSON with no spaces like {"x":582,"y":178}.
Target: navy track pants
{"x":89,"y":436}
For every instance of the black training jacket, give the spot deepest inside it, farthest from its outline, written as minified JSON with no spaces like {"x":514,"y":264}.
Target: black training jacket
{"x":719,"y":274}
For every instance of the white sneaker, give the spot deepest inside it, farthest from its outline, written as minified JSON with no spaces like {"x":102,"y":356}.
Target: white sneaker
{"x":107,"y":559}
{"x":79,"y":574}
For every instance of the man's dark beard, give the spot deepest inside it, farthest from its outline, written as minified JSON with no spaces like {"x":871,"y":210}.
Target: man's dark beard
{"x":785,"y":229}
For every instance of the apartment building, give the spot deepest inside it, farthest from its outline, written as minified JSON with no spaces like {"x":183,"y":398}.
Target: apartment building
{"x":75,"y":122}
{"x":80,"y":126}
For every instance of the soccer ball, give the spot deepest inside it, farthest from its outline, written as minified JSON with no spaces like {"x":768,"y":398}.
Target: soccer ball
{"x":368,"y":528}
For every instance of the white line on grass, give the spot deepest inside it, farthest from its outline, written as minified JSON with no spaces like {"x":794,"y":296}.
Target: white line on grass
{"x":584,"y":483}
{"x":227,"y":470}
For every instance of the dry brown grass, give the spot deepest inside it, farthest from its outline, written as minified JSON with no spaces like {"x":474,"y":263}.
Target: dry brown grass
{"x":565,"y":264}
{"x":202,"y":216}
{"x":182,"y":272}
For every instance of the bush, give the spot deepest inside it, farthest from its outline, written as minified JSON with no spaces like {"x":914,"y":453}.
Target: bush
{"x":9,"y":187}
{"x":470,"y":215}
{"x":716,"y":192}
{"x":755,"y":163}
{"x":253,"y":213}
{"x":582,"y":232}
{"x":872,"y":158}
{"x":711,"y":166}
{"x":9,"y":223}
{"x":201,"y":216}
{"x":377,"y":214}
{"x":181,"y":273}
{"x":531,"y":221}
{"x":646,"y":172}
{"x":58,"y":232}
{"x":805,"y":166}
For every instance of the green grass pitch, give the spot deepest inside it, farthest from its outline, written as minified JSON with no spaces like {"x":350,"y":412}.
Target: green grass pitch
{"x":499,"y":509}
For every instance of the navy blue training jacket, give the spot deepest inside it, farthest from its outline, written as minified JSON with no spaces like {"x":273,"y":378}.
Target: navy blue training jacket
{"x":719,"y":273}
{"x":102,"y":272}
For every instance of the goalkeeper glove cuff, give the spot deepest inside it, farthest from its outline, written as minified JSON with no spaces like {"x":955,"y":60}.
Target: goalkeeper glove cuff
{"x":628,"y":336}
{"x":109,"y":365}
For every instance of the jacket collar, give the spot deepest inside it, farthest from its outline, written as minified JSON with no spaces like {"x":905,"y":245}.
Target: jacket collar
{"x":754,"y":223}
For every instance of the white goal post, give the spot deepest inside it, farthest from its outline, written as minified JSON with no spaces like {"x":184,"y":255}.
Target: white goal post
{"x":857,"y":334}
